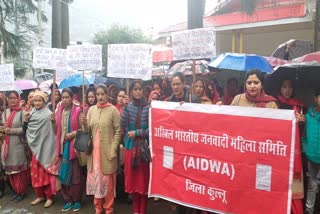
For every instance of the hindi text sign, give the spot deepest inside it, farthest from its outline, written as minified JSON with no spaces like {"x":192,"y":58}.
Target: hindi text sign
{"x":213,"y":158}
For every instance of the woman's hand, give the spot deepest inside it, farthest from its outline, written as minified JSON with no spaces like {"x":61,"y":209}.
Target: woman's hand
{"x":132,"y":135}
{"x":84,"y":120}
{"x":219,"y":103}
{"x":53,"y":117}
{"x":26,"y":116}
{"x":300,"y":118}
{"x":69,"y":136}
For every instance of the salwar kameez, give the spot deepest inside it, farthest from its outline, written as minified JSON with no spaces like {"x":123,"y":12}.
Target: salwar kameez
{"x":98,"y":184}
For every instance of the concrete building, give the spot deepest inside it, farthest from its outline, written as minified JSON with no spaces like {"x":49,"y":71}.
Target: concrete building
{"x":273,"y":22}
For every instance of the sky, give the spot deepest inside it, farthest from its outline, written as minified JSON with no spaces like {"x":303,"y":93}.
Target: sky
{"x":90,"y":16}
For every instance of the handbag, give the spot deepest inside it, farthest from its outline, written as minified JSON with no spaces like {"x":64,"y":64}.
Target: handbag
{"x":66,"y":167}
{"x":83,"y":142}
{"x":145,"y":154}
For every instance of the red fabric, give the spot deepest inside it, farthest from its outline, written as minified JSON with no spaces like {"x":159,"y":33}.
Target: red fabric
{"x":136,"y":180}
{"x":152,"y":93}
{"x":215,"y":95}
{"x":140,"y":203}
{"x":75,"y":125}
{"x":39,"y":176}
{"x":297,"y":106}
{"x":296,"y":206}
{"x":19,"y":182}
{"x":43,"y":192}
{"x":261,"y":100}
{"x":107,"y":104}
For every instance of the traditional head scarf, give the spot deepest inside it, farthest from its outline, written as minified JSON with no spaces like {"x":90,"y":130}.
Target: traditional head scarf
{"x":43,"y":95}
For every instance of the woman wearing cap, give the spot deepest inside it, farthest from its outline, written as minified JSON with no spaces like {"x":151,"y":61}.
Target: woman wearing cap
{"x":41,"y":139}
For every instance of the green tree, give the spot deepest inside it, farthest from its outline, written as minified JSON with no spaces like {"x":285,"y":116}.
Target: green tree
{"x":118,"y":35}
{"x":17,"y":32}
{"x":249,"y":6}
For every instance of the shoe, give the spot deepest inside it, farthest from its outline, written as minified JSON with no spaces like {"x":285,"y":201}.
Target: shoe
{"x":37,"y":201}
{"x":13,"y":197}
{"x":67,"y":207}
{"x":76,"y":206}
{"x":19,"y":198}
{"x":48,"y":203}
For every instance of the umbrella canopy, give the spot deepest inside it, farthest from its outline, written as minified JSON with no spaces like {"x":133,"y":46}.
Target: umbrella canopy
{"x":45,"y":86}
{"x":25,"y":84}
{"x":304,"y":76}
{"x":275,"y":61}
{"x":241,"y":62}
{"x":297,"y":48}
{"x":201,"y":67}
{"x":315,"y":56}
{"x":75,"y":80}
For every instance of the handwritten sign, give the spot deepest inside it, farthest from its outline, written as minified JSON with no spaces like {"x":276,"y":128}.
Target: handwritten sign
{"x":6,"y":77}
{"x":194,"y":44}
{"x":49,"y":58}
{"x":62,"y":74}
{"x":130,"y":61}
{"x":213,"y":165}
{"x":84,"y":57}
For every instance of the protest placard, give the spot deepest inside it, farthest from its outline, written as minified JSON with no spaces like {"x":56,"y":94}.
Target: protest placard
{"x":222,"y":163}
{"x":49,"y":58}
{"x":6,"y":77}
{"x":194,"y":44}
{"x":130,"y":61}
{"x":84,"y":57}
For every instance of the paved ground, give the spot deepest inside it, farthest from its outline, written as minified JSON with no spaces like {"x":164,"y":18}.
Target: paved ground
{"x":24,"y":207}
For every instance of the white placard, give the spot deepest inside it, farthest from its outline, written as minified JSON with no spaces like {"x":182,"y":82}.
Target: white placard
{"x":194,"y":44}
{"x":130,"y":61}
{"x":62,"y":74}
{"x":84,"y":57}
{"x":6,"y":77}
{"x":49,"y":58}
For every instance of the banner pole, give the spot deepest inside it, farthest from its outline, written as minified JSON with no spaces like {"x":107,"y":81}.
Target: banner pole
{"x":127,"y":86}
{"x":53,"y":92}
{"x":83,"y":101}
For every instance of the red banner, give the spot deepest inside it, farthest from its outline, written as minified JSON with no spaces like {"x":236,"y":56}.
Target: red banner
{"x":221,"y":158}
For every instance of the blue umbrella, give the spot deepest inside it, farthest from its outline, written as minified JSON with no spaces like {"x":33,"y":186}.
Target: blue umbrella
{"x":75,"y":80}
{"x":241,"y":62}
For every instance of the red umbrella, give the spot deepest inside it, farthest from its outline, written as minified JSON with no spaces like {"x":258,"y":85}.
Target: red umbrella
{"x":315,"y":56}
{"x":275,"y":61}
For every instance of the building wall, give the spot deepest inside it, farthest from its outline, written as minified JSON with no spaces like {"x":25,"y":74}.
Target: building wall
{"x":264,"y":40}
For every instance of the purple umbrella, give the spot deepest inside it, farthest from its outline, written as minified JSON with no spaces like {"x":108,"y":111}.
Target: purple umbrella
{"x":25,"y":84}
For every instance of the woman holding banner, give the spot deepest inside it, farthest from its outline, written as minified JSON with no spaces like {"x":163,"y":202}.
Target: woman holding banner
{"x":286,"y":101}
{"x":254,"y":95}
{"x":103,"y":121}
{"x":67,"y":125}
{"x":134,"y":125}
{"x":41,"y":139}
{"x":14,"y":148}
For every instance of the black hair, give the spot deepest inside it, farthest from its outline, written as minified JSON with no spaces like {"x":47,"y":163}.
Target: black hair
{"x":69,"y":91}
{"x":133,"y":84}
{"x":232,"y":79}
{"x":157,"y":83}
{"x":93,"y":90}
{"x":292,"y":83}
{"x":317,"y":92}
{"x":180,"y":76}
{"x":205,"y":87}
{"x":51,"y":86}
{"x":13,"y":92}
{"x":122,"y":89}
{"x":103,"y":87}
{"x":256,"y":72}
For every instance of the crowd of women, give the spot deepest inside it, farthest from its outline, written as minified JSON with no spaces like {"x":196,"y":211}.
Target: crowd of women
{"x":38,"y":139}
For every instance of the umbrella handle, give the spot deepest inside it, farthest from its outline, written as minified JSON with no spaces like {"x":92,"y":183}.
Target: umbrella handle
{"x":83,"y":101}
